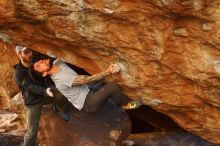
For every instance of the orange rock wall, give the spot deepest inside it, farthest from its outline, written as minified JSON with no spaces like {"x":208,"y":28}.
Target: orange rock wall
{"x":7,"y":84}
{"x":168,"y":50}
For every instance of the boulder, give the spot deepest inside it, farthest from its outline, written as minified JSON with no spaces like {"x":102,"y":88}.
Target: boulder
{"x":107,"y":127}
{"x":12,"y":138}
{"x":9,"y":121}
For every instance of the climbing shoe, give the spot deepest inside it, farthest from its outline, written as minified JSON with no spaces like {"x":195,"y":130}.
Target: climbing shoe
{"x":63,"y":115}
{"x":134,"y":104}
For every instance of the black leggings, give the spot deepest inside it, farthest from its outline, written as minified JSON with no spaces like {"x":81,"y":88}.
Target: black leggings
{"x":95,"y":99}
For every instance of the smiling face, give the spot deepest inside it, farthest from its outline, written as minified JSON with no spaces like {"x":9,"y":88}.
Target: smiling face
{"x":42,"y":66}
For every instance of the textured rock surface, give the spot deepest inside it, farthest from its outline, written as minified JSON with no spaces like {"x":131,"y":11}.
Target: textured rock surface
{"x":168,"y":50}
{"x":107,"y":127}
{"x":168,"y":139}
{"x":7,"y":84}
{"x":10,"y":140}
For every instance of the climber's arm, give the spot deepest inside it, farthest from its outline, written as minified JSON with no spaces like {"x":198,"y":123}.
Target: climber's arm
{"x":84,"y":79}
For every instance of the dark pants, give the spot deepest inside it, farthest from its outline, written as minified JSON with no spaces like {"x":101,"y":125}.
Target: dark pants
{"x":33,"y":113}
{"x":95,"y":99}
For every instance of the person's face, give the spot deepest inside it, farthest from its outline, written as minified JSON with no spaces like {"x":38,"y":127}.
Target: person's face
{"x":42,"y":65}
{"x":26,"y":55}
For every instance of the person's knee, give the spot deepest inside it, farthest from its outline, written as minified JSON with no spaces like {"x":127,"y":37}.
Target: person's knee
{"x":91,"y":109}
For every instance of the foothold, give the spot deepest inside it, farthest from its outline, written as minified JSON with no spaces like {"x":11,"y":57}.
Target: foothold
{"x":108,"y":11}
{"x":5,"y":38}
{"x":181,"y":32}
{"x":198,"y":4}
{"x":207,"y":27}
{"x":152,"y":101}
{"x":166,"y":2}
{"x":114,"y":135}
{"x":216,"y":64}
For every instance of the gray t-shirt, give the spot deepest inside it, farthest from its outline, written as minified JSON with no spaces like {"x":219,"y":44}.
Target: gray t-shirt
{"x":63,"y":81}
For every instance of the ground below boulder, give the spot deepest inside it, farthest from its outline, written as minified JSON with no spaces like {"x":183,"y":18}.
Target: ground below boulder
{"x":12,"y":138}
{"x":168,"y":139}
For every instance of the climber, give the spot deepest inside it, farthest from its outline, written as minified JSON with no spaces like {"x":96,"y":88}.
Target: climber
{"x":35,"y":94}
{"x":81,"y":90}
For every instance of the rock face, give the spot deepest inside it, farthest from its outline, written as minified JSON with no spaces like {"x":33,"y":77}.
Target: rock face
{"x":168,"y":50}
{"x":7,"y":84}
{"x":10,"y":140}
{"x":109,"y":126}
{"x":9,"y":121}
{"x":106,"y":127}
{"x":168,"y":139}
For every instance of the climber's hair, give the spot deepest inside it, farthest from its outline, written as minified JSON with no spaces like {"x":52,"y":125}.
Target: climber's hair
{"x":34,"y":75}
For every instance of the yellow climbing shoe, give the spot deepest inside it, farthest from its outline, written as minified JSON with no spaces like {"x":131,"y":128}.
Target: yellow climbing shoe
{"x":134,"y":104}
